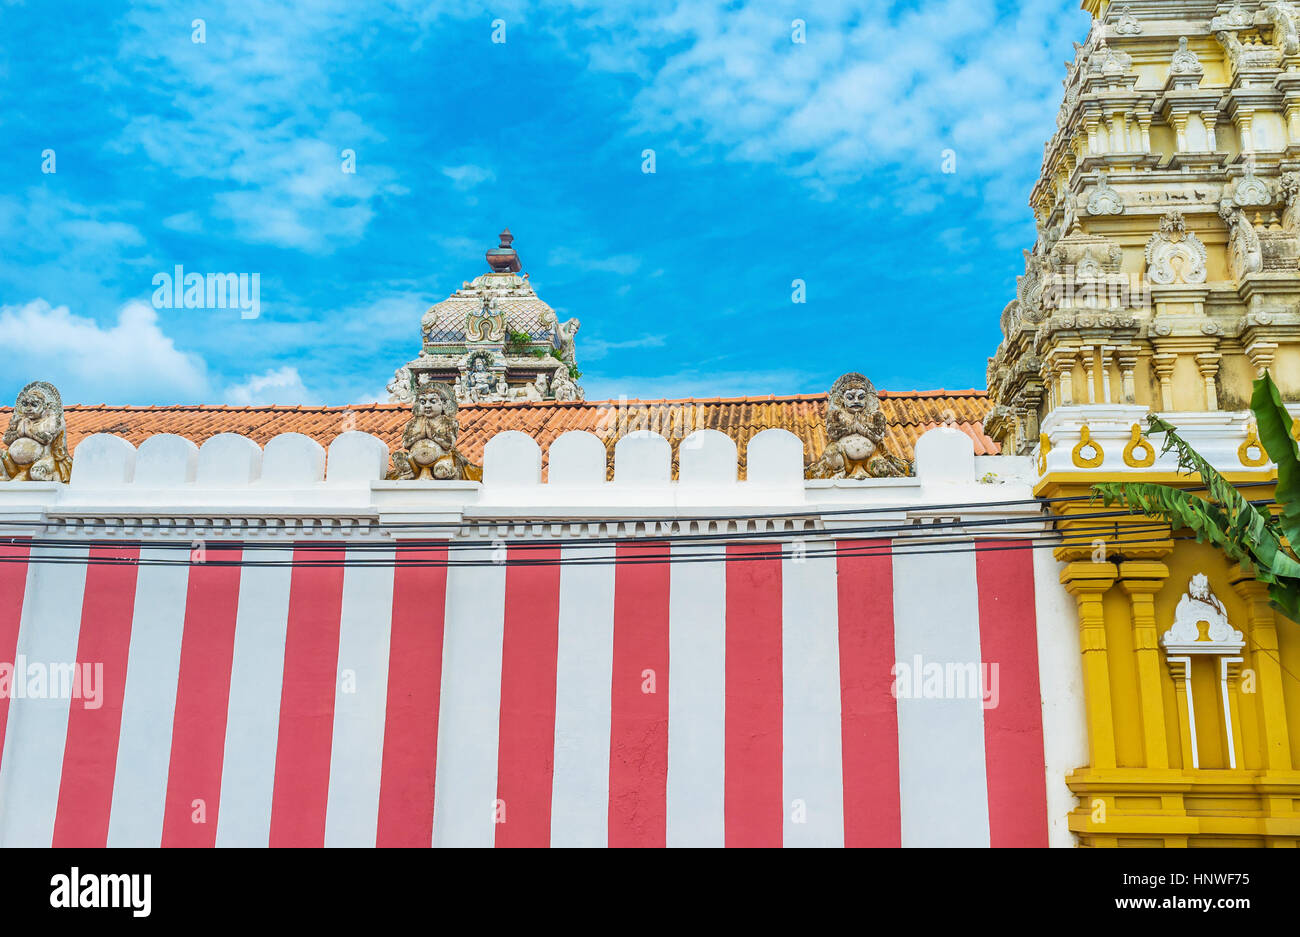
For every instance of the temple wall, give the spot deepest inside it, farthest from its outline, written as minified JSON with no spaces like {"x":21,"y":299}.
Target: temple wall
{"x":295,"y":651}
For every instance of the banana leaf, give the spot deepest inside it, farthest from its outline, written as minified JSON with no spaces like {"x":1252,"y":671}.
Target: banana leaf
{"x":1275,"y":427}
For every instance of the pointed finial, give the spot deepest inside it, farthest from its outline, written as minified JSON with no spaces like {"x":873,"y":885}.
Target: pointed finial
{"x":503,"y":259}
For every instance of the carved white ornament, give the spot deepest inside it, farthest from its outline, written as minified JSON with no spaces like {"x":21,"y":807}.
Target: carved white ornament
{"x":1252,"y":190}
{"x":1286,"y":26}
{"x":1198,"y":605}
{"x":1174,"y":254}
{"x":1126,"y":24}
{"x":1104,"y":200}
{"x":1236,"y":18}
{"x":1185,"y":61}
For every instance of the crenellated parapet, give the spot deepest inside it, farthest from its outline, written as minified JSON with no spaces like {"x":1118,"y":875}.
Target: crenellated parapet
{"x":1166,"y":273}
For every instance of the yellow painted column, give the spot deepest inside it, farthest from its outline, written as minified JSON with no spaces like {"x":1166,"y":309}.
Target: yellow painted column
{"x":1263,"y":657}
{"x":1142,"y":580}
{"x":1088,"y":582}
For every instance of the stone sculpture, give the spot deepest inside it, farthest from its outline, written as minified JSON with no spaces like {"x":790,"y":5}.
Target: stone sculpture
{"x":36,"y":438}
{"x":855,"y":428}
{"x":429,"y":440}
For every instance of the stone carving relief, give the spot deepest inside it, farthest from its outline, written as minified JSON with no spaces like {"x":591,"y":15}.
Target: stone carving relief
{"x":1290,"y":191}
{"x":36,"y":438}
{"x":1185,"y":61}
{"x":1126,"y":24}
{"x":1250,"y":189}
{"x":563,"y":386}
{"x":1236,"y":18}
{"x":1197,"y":605}
{"x":480,"y":378}
{"x":855,"y":430}
{"x":401,"y":389}
{"x":1244,"y":254}
{"x":429,"y":440}
{"x":1174,"y":254}
{"x":487,"y":324}
{"x":1107,"y":61}
{"x":1104,"y":200}
{"x":1248,"y":55}
{"x":1286,"y":26}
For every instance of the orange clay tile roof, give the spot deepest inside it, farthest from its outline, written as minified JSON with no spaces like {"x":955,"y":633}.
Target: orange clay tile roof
{"x":909,"y":415}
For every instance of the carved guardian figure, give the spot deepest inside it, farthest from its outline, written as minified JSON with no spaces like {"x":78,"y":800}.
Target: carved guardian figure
{"x":855,"y":428}
{"x":429,"y":440}
{"x":36,"y":438}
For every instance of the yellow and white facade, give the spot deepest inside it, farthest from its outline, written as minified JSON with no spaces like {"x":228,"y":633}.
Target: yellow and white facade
{"x":1165,"y":278}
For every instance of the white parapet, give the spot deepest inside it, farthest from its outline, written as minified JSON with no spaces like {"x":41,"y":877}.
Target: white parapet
{"x":103,"y":460}
{"x":707,"y":457}
{"x":165,"y":461}
{"x":774,"y":457}
{"x":643,"y":458}
{"x":228,"y":459}
{"x":356,"y":457}
{"x":576,"y":458}
{"x":945,"y":455}
{"x":293,"y":459}
{"x":512,"y":459}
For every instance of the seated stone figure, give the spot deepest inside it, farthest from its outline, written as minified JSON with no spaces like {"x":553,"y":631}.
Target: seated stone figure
{"x":855,"y":430}
{"x":429,"y":440}
{"x":36,"y":438}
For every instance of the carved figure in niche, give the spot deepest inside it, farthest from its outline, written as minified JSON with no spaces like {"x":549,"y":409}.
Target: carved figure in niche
{"x":563,"y":386}
{"x":1244,"y":253}
{"x":36,"y":437}
{"x":429,"y":440}
{"x":478,"y":381}
{"x":855,"y":427}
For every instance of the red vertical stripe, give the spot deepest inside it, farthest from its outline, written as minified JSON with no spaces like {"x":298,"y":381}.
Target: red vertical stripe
{"x":311,"y":655}
{"x":414,"y":690}
{"x":869,"y":712}
{"x":202,"y":700}
{"x":90,"y":751}
{"x":753,"y":807}
{"x":638,"y":757}
{"x":13,"y":584}
{"x":526,"y":755}
{"x":1013,"y":728}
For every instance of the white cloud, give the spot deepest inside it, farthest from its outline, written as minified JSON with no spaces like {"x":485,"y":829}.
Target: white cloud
{"x":468,"y":176}
{"x":126,"y":361}
{"x":593,"y":261}
{"x":596,"y":348}
{"x":282,"y":386}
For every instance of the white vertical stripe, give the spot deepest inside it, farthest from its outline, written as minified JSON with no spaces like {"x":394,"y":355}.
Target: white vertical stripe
{"x":1060,"y":680}
{"x":149,"y":703}
{"x":583,"y":674}
{"x":697,"y":650}
{"x":812,"y":763}
{"x":941,"y":762}
{"x":360,"y":702}
{"x":32,"y":765}
{"x":253,"y":716}
{"x":469,"y":719}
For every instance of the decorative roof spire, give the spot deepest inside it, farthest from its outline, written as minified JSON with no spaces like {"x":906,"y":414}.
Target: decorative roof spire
{"x":503,"y":259}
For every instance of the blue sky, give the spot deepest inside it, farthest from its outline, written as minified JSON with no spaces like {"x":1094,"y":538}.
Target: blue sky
{"x":775,"y":161}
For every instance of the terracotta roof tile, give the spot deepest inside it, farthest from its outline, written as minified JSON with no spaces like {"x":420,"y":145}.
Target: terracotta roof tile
{"x":909,"y":413}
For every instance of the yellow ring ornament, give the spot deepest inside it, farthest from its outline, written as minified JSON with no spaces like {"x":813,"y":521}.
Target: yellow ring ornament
{"x":1252,"y":442}
{"x":1044,"y":447}
{"x":1136,"y":442}
{"x":1086,"y":442}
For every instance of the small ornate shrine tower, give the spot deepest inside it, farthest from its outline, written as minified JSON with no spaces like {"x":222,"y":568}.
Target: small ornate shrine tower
{"x":494,"y":340}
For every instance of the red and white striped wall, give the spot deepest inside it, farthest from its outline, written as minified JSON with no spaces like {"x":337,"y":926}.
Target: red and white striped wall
{"x":730,"y":702}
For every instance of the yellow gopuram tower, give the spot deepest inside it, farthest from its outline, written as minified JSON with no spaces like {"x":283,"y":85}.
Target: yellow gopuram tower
{"x":1165,"y":278}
